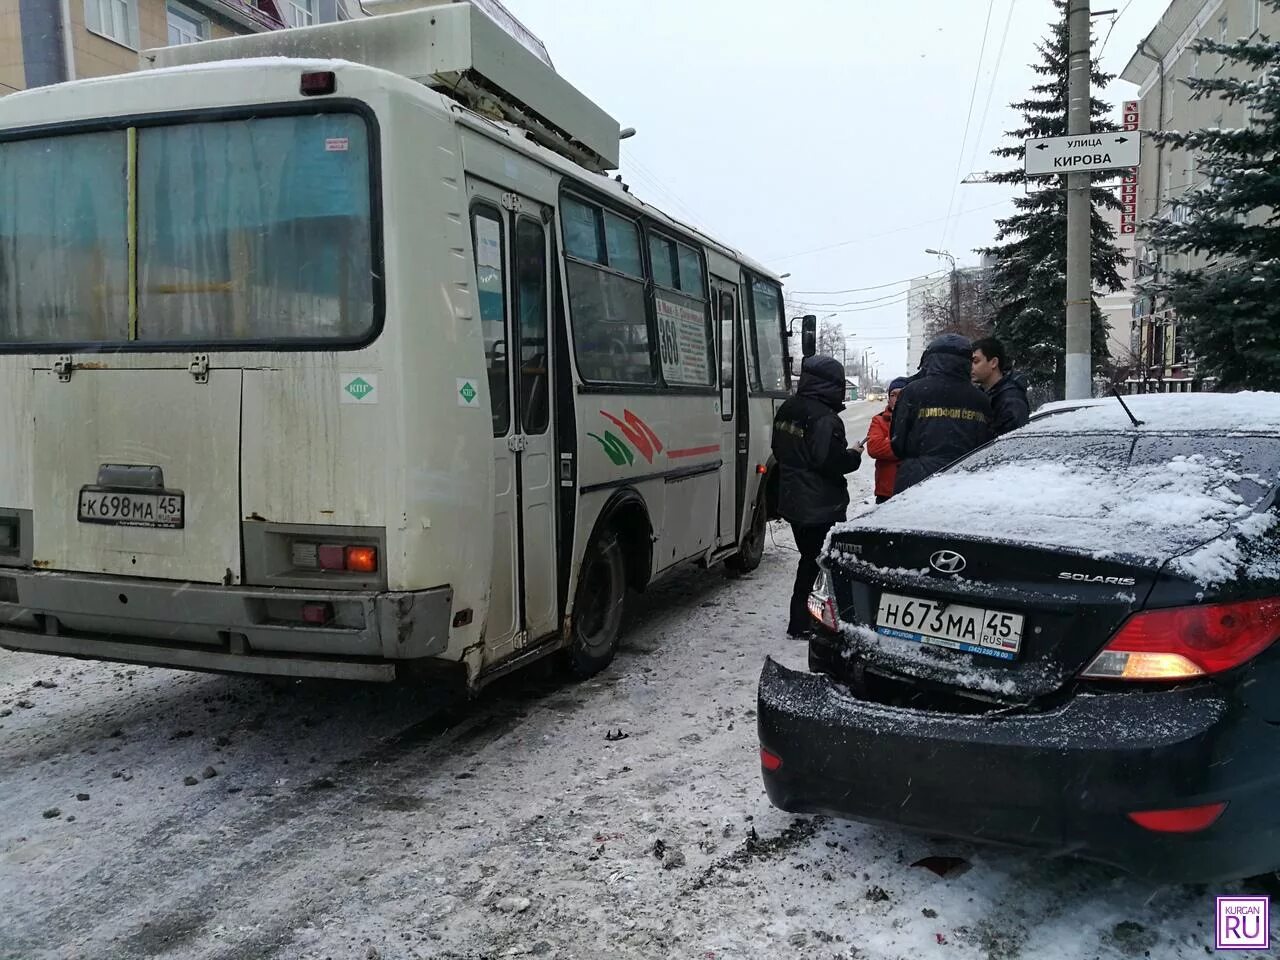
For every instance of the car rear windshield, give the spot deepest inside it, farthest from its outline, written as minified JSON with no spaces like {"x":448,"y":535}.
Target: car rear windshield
{"x":1143,"y":496}
{"x":257,"y":229}
{"x":1249,"y":463}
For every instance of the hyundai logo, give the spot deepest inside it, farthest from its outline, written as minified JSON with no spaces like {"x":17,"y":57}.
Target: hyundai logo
{"x":947,"y":561}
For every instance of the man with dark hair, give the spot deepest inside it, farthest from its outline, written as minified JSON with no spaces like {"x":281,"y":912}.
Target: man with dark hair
{"x":940,"y":415}
{"x":1005,"y":387}
{"x":813,"y":458}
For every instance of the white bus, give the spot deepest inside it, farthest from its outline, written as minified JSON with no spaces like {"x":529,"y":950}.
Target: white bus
{"x":359,"y":367}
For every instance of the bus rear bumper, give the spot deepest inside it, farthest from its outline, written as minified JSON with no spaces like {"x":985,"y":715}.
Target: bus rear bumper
{"x":349,"y":635}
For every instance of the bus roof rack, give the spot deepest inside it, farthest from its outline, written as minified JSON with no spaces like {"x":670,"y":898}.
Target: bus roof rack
{"x":453,"y":47}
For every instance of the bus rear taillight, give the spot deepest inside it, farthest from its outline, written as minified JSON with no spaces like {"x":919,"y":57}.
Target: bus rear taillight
{"x":335,"y":557}
{"x":362,"y":559}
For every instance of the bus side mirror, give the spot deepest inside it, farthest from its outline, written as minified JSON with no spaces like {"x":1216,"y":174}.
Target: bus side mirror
{"x":808,"y":335}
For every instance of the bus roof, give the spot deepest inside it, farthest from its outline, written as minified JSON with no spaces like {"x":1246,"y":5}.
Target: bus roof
{"x":455,"y":48}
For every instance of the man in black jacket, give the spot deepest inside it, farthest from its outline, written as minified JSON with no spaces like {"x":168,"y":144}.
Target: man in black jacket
{"x":810,"y":448}
{"x":1006,"y":388}
{"x":940,"y":415}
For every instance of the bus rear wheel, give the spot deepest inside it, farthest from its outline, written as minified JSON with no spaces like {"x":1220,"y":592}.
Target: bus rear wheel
{"x":597,"y":608}
{"x":751,"y":548}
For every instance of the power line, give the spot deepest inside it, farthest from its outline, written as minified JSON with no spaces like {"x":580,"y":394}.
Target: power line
{"x":852,"y":303}
{"x":902,"y":298}
{"x":986,"y":108}
{"x":887,"y":233}
{"x":656,"y":183}
{"x":1114,"y":21}
{"x":879,"y":286}
{"x":964,"y":140}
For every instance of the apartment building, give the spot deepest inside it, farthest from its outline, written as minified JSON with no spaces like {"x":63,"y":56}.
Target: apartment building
{"x":48,"y":41}
{"x":933,"y":301}
{"x":1160,"y":66}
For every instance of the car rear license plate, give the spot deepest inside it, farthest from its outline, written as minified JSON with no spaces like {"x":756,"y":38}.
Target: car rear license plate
{"x":992,"y":633}
{"x":163,"y":509}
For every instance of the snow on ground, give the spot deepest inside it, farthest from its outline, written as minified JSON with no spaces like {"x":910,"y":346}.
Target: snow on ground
{"x":151,"y":813}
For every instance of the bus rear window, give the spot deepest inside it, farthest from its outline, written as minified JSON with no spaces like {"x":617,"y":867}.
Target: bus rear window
{"x":246,"y":230}
{"x":64,"y":252}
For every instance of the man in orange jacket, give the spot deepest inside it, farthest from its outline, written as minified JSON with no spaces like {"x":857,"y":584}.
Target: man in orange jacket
{"x":877,"y":444}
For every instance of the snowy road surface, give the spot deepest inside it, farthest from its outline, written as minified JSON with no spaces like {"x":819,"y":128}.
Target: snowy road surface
{"x":151,"y":813}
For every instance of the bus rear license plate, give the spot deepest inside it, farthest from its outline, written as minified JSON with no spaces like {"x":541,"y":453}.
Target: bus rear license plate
{"x":161,"y":510}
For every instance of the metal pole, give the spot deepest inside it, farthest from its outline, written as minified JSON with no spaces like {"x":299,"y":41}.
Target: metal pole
{"x":1079,"y":372}
{"x":955,"y":297}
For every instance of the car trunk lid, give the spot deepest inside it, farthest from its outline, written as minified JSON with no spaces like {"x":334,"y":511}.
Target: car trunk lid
{"x":999,"y":620}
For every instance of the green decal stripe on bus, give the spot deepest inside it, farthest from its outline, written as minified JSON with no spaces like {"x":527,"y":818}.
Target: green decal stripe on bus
{"x":615,"y":449}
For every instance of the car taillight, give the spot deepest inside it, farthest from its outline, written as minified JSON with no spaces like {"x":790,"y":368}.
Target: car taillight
{"x":822,"y":602}
{"x":1180,"y":820}
{"x":335,"y":557}
{"x":769,"y":760}
{"x":1184,"y":642}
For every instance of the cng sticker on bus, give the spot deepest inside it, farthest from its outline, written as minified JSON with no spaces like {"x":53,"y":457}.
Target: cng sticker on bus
{"x":468,"y":395}
{"x":360,"y":388}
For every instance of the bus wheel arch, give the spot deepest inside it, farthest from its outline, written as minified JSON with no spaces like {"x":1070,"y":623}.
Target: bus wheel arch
{"x":627,"y":514}
{"x":762,"y":510}
{"x":618,"y":558}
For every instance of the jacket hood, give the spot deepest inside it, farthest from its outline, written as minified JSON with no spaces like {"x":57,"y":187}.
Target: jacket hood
{"x":822,"y":379}
{"x":949,"y":355}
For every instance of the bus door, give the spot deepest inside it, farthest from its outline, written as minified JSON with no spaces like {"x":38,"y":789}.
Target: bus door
{"x":512,"y":249}
{"x":733,"y":414}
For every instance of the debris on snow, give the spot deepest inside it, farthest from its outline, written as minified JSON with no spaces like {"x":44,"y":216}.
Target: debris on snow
{"x":613,"y":737}
{"x":944,"y":866}
{"x":190,"y":781}
{"x":513,"y":904}
{"x":51,"y":813}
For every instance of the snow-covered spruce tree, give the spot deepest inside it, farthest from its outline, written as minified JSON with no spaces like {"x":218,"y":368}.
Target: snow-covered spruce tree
{"x":1230,"y":302}
{"x":1029,"y":285}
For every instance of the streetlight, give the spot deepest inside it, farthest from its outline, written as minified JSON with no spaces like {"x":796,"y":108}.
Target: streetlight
{"x":955,"y":287}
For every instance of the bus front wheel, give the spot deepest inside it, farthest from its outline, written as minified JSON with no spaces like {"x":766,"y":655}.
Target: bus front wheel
{"x":597,"y":607}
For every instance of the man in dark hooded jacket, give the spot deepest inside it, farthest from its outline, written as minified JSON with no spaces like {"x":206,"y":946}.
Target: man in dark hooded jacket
{"x":940,"y":415}
{"x":812,"y":454}
{"x":1006,"y":388}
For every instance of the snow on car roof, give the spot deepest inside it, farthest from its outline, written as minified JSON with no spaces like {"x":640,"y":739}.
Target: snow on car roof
{"x":1191,"y":412}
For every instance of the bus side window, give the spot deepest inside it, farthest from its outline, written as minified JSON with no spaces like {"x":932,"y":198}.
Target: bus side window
{"x":531,"y":304}
{"x":727,"y":357}
{"x":491,"y":289}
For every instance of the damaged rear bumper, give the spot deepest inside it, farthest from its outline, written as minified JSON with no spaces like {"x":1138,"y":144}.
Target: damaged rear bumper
{"x":224,"y":629}
{"x":1062,"y":782}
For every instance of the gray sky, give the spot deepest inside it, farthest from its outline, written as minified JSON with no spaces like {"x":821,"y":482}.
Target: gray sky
{"x":788,"y":127}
